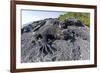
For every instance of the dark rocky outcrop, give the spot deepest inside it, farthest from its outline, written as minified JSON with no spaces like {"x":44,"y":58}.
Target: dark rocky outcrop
{"x":53,"y":40}
{"x":71,"y":22}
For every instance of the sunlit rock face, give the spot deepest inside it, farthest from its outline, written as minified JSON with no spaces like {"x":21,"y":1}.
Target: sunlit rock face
{"x":52,"y":40}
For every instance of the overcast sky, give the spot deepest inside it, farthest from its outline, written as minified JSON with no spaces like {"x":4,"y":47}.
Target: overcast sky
{"x":34,"y":15}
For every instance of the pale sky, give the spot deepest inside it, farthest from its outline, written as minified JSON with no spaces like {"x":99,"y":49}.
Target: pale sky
{"x":34,"y":15}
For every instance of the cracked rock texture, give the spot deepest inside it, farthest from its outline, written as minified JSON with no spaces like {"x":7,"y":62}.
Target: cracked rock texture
{"x":52,"y":40}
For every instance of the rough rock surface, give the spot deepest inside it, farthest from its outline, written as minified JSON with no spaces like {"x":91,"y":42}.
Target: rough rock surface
{"x":53,"y":40}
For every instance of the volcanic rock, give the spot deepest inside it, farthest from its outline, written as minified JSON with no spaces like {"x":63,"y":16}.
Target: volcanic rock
{"x":53,"y":40}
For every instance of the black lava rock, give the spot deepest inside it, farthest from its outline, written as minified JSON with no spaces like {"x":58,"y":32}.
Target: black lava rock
{"x":72,"y":22}
{"x":53,"y":40}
